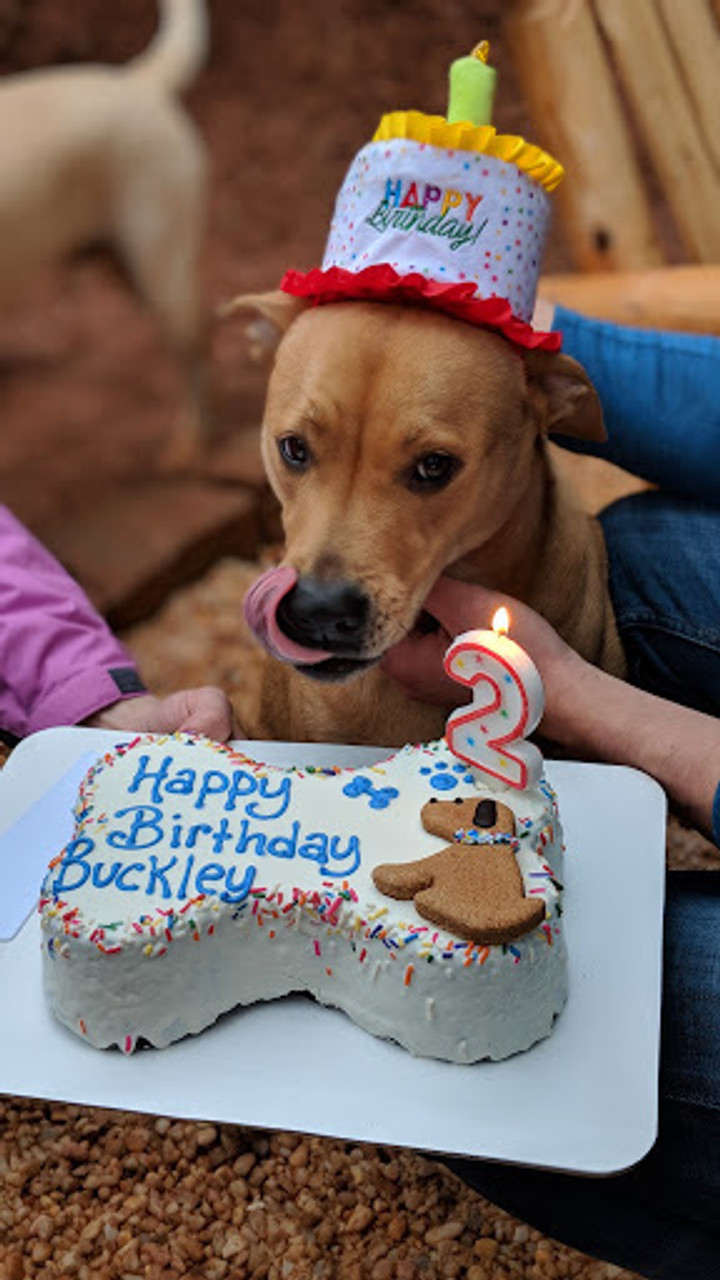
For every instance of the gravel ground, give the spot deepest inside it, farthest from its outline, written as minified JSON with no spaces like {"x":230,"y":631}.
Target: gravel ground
{"x":89,"y":1193}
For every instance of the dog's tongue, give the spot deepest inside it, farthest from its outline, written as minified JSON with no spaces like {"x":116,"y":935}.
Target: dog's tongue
{"x":261,"y":603}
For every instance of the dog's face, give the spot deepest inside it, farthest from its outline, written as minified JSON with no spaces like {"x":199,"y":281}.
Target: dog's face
{"x":445,"y":818}
{"x":397,"y":440}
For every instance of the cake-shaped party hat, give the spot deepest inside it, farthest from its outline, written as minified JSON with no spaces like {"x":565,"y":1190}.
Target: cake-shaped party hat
{"x":443,"y":212}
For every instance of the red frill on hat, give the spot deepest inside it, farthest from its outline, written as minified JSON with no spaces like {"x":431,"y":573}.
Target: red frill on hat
{"x":382,"y":283}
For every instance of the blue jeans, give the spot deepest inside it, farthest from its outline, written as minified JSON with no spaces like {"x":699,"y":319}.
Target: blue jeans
{"x":664,"y":570}
{"x":660,"y":394}
{"x":661,"y":1219}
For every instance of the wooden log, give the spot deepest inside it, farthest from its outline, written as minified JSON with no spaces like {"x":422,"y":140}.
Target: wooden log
{"x":695,"y":36}
{"x":643,"y":50}
{"x":571,"y":94}
{"x":686,"y":298}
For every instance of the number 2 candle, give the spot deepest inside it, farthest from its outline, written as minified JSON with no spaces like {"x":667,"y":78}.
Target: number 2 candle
{"x":507,"y":704}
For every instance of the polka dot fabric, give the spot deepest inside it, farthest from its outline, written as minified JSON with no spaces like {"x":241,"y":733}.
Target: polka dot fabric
{"x":448,"y":215}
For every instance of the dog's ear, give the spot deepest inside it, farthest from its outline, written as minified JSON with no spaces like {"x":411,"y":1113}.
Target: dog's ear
{"x":568,"y":402}
{"x":269,"y":316}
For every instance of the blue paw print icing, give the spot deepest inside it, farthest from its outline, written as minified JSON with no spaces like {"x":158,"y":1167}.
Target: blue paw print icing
{"x":379,"y":797}
{"x":444,"y":778}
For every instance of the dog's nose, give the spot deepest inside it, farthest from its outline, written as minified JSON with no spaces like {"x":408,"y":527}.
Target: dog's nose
{"x":325,"y":615}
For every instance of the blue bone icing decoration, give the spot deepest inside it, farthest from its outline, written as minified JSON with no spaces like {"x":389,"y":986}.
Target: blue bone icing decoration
{"x":380,"y":797}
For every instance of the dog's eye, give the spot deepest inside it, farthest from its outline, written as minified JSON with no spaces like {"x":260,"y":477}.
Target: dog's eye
{"x":433,"y":471}
{"x":294,"y":452}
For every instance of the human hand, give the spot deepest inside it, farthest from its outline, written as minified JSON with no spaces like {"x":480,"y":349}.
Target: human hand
{"x":206,"y":710}
{"x":416,"y":663}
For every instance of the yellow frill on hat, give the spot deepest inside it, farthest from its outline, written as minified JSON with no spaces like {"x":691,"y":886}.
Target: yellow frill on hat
{"x":463,"y":136}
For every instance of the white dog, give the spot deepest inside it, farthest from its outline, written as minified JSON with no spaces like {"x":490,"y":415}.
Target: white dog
{"x":105,"y":155}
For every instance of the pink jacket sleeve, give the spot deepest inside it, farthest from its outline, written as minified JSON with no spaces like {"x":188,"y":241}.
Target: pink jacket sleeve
{"x":59,"y":661}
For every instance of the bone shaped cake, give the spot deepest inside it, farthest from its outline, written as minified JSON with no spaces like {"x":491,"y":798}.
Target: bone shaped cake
{"x":198,"y":880}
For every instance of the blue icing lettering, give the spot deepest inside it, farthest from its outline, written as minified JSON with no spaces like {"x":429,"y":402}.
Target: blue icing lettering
{"x":146,"y":818}
{"x":315,"y":847}
{"x":183,"y":784}
{"x":207,"y":875}
{"x":284,"y":846}
{"x":74,"y":858}
{"x":214,"y":783}
{"x":338,"y":854}
{"x":246,"y":838}
{"x":235,"y":786}
{"x":197,"y":829}
{"x":282,"y":793}
{"x":243,"y":784}
{"x":100,"y":881}
{"x":155,"y":776}
{"x":144,"y":825}
{"x":159,"y":875}
{"x":120,"y":880}
{"x":221,"y":835}
{"x":182,"y":891}
{"x":238,"y":892}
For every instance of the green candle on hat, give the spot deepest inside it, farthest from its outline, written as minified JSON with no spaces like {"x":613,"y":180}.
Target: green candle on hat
{"x":472,"y":87}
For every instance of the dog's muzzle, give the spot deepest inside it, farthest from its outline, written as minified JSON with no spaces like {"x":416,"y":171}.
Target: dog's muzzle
{"x":320,"y":627}
{"x":325,"y":615}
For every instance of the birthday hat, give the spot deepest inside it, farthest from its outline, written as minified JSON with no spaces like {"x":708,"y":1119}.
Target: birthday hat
{"x":444,"y":212}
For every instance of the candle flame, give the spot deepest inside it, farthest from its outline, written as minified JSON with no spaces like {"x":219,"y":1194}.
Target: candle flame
{"x":501,"y":621}
{"x":481,"y":51}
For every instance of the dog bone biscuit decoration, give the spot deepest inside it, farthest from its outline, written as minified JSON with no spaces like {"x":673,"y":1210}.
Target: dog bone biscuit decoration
{"x":198,"y":880}
{"x":473,"y":886}
{"x":443,"y":212}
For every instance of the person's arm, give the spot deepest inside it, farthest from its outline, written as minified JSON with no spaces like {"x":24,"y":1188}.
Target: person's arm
{"x":660,"y":393}
{"x":606,"y":719}
{"x":593,"y":714}
{"x":61,"y":664}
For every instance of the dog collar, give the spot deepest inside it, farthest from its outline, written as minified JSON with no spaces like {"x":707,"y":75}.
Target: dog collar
{"x":473,"y":835}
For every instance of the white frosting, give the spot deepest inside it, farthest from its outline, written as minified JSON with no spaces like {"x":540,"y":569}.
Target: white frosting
{"x":199,"y":880}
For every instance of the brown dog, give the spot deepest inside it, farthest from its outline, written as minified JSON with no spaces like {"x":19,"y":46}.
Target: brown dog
{"x":404,"y":444}
{"x":105,"y":156}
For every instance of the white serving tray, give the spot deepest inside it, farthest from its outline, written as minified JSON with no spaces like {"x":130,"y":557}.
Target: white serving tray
{"x":585,"y":1100}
